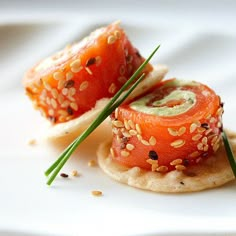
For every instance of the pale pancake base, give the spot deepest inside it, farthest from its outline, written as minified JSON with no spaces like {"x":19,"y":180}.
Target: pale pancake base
{"x":211,"y":173}
{"x":71,"y":129}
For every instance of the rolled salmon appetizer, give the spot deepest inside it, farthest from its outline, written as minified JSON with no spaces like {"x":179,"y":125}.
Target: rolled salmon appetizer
{"x":79,"y":80}
{"x":168,"y":140}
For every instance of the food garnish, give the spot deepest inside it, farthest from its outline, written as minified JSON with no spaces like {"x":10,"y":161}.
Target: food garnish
{"x":116,"y":101}
{"x":229,"y":152}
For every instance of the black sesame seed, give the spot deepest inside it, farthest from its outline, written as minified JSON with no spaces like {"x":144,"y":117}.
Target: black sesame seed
{"x":52,"y":119}
{"x":91,"y":61}
{"x":70,"y":111}
{"x":205,"y":125}
{"x":181,"y":182}
{"x":185,"y":162}
{"x":69,"y":83}
{"x":205,"y":154}
{"x":64,"y":175}
{"x":125,"y":140}
{"x":153,"y":155}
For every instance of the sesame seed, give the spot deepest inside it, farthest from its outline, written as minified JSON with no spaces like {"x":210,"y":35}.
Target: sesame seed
{"x":126,"y":134}
{"x":117,"y":123}
{"x":201,"y":130}
{"x":53,"y":103}
{"x":74,"y":106}
{"x":90,"y":61}
{"x":131,"y":124}
{"x":129,"y":147}
{"x":196,"y":137}
{"x":76,"y":69}
{"x":216,"y":146}
{"x":92,"y":163}
{"x":214,"y":140}
{"x":177,"y":143}
{"x":54,"y":93}
{"x":111,"y":39}
{"x":112,"y":88}
{"x":61,"y":118}
{"x":219,"y":111}
{"x":133,"y":132}
{"x":115,"y":130}
{"x":70,"y":83}
{"x":194,"y":154}
{"x":117,"y":34}
{"x":152,"y":141}
{"x":124,"y":153}
{"x":32,"y":142}
{"x":60,"y":98}
{"x":193,"y":127}
{"x":48,"y":100}
{"x":205,"y":125}
{"x":74,"y":173}
{"x":144,"y":142}
{"x":83,"y":85}
{"x":64,"y":175}
{"x":58,"y":75}
{"x":69,"y":111}
{"x":185,"y":162}
{"x":88,"y":70}
{"x":60,"y":84}
{"x":47,"y":86}
{"x":180,"y":167}
{"x":138,"y":128}
{"x":51,"y":112}
{"x":139,"y":137}
{"x":65,"y":104}
{"x":126,"y":124}
{"x":69,"y":75}
{"x":208,"y":131}
{"x":172,"y":131}
{"x":182,"y":130}
{"x":152,"y":161}
{"x":71,"y":98}
{"x":64,"y":91}
{"x":75,"y":63}
{"x":176,"y":162}
{"x":112,"y":152}
{"x":212,"y":120}
{"x":97,"y":193}
{"x":204,"y":140}
{"x":62,"y":112}
{"x":162,"y":169}
{"x":200,"y":146}
{"x":205,"y":148}
{"x":129,"y":58}
{"x":71,"y":91}
{"x":153,"y":155}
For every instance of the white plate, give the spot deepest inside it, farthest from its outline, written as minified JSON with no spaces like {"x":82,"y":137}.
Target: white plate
{"x":29,"y":207}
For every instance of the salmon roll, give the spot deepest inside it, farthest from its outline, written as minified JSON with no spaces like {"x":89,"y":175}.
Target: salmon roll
{"x":69,"y":84}
{"x":168,"y":140}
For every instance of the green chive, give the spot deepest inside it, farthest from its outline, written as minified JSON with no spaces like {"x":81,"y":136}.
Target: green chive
{"x":229,"y":152}
{"x":55,"y":168}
